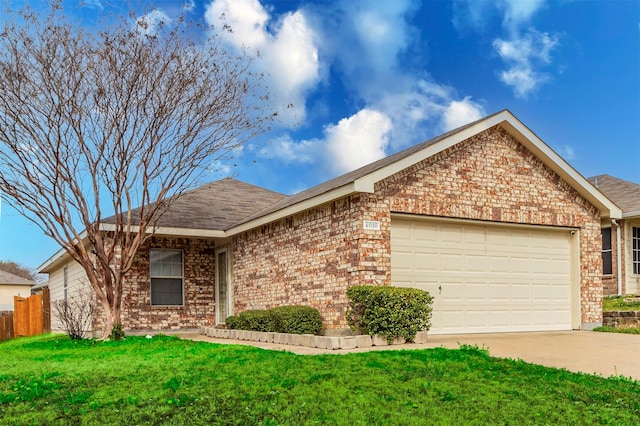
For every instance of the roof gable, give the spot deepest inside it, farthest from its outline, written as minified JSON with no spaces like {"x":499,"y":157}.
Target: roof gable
{"x":364,"y":178}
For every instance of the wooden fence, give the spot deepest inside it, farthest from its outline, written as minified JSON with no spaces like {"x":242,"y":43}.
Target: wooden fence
{"x":6,"y":325}
{"x":32,"y":315}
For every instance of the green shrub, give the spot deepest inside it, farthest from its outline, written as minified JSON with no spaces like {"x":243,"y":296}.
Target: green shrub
{"x":117,"y":333}
{"x":255,"y":320}
{"x":283,"y":319}
{"x":296,"y":320}
{"x":233,"y":323}
{"x":389,"y":311}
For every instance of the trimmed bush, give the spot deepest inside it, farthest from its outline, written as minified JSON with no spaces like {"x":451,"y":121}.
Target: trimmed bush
{"x":233,"y":323}
{"x":296,"y":320}
{"x":389,"y":311}
{"x":283,"y":319}
{"x":255,"y":320}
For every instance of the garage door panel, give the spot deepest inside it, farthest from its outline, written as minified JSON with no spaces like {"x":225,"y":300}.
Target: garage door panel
{"x":485,"y":278}
{"x":520,"y":292}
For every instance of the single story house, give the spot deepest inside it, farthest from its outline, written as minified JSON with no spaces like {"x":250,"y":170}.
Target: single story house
{"x":499,"y":228}
{"x":10,"y":286}
{"x":620,"y":238}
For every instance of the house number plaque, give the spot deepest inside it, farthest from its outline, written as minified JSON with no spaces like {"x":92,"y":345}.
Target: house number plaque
{"x":371,"y":225}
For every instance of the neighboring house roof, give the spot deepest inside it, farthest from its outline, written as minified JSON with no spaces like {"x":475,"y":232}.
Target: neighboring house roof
{"x":622,"y":192}
{"x":7,"y":278}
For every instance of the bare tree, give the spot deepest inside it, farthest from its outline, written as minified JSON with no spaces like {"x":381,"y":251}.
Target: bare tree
{"x":76,"y":314}
{"x":99,"y":122}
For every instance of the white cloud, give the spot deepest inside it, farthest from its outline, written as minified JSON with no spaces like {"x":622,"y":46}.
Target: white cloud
{"x":189,"y":5}
{"x":93,"y":4}
{"x":358,"y":140}
{"x":518,"y":12}
{"x":148,"y":24}
{"x":366,"y":43}
{"x":524,"y":55}
{"x":287,"y":150}
{"x":459,"y":113}
{"x":525,"y":51}
{"x":288,"y":54}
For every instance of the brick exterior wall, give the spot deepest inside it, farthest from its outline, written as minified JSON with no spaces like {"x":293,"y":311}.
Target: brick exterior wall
{"x":312,"y":257}
{"x":199,"y":273}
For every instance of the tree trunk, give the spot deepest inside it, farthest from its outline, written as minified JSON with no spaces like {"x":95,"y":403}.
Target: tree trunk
{"x":112,"y":316}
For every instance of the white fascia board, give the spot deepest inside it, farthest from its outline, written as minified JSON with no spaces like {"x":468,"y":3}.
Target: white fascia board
{"x":171,"y":231}
{"x":628,"y":215}
{"x":533,"y":143}
{"x":366,"y":183}
{"x":57,"y":257}
{"x":307,"y":204}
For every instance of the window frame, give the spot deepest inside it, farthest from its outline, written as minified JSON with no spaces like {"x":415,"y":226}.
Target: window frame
{"x":152,"y":277}
{"x":635,"y":250}
{"x":65,"y":282}
{"x":607,"y":253}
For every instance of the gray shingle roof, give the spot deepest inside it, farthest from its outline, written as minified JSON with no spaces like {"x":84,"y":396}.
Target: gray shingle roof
{"x":216,"y":206}
{"x":7,"y":278}
{"x":622,"y":192}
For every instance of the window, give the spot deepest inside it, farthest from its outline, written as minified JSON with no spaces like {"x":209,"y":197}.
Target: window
{"x":65,"y":283}
{"x":636,"y":249}
{"x":607,"y":264}
{"x":166,"y":277}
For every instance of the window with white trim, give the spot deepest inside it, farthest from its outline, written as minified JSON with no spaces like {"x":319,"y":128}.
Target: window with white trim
{"x":607,"y":264}
{"x":65,"y":283}
{"x":165,"y":271}
{"x":635,"y":238}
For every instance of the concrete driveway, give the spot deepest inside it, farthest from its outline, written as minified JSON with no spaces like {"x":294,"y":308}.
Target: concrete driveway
{"x":606,"y":354}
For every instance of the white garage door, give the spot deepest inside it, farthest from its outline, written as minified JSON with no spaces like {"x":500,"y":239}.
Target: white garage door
{"x":485,"y":277}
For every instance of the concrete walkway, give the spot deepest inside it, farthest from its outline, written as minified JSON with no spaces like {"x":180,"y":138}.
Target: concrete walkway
{"x":606,"y":354}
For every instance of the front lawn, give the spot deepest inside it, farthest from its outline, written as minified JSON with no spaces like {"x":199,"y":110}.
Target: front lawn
{"x":617,"y":303}
{"x":165,"y":380}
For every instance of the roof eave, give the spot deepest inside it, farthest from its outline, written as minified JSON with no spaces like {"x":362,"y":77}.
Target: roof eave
{"x":630,"y":215}
{"x":172,"y":231}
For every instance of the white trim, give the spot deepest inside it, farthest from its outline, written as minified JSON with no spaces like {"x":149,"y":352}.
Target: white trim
{"x":229,"y":301}
{"x":171,"y":231}
{"x":626,"y":215}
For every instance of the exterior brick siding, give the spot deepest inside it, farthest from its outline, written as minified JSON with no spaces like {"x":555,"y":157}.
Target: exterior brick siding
{"x":312,"y":257}
{"x":199,"y":274}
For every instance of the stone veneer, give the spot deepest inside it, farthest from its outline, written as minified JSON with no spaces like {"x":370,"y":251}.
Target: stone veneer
{"x":312,"y":257}
{"x":199,"y":274}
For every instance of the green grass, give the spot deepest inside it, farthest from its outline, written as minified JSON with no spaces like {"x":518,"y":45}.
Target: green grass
{"x":624,"y":330}
{"x":617,"y":303}
{"x":164,"y":380}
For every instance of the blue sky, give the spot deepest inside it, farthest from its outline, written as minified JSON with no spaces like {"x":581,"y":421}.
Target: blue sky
{"x":366,"y":79}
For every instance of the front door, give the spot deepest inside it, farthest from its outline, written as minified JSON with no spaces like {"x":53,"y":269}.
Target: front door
{"x":223,"y":286}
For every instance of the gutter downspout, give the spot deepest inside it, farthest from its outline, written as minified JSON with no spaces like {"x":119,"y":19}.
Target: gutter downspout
{"x":618,"y":256}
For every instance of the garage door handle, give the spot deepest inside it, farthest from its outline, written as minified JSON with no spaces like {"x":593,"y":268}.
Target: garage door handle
{"x":439,"y":289}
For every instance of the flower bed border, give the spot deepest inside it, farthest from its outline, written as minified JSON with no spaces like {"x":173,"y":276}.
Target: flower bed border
{"x":308,"y":340}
